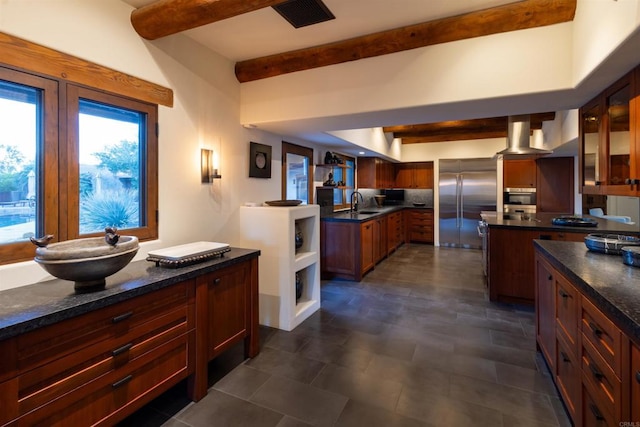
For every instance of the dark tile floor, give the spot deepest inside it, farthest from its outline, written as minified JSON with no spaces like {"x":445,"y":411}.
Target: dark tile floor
{"x":416,"y":343}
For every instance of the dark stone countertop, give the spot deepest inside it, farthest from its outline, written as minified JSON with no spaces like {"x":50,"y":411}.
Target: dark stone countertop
{"x":613,"y":286}
{"x":33,"y":306}
{"x":367,"y":213}
{"x":542,"y":222}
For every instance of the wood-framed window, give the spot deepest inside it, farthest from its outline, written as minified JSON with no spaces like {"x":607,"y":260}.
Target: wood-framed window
{"x":297,"y":173}
{"x":74,"y":158}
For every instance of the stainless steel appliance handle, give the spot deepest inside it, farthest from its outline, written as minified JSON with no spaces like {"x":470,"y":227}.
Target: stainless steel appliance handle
{"x":461,"y":199}
{"x":458,"y":195}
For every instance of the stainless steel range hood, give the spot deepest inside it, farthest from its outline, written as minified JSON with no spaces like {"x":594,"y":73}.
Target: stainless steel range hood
{"x":518,"y":140}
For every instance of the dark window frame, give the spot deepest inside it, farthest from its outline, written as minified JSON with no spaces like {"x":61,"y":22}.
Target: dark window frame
{"x":58,"y":186}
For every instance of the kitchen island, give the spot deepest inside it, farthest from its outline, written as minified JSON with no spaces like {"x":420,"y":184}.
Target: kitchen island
{"x":82,"y":358}
{"x":588,"y":330}
{"x":510,"y":253}
{"x":353,"y":242}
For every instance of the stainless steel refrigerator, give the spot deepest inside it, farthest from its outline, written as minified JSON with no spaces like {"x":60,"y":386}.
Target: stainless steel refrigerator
{"x":466,"y":187}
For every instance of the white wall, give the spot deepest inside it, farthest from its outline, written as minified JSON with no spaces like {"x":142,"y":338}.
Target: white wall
{"x":434,"y":76}
{"x":205,"y":114}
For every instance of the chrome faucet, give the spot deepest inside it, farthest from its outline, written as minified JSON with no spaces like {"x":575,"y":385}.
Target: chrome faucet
{"x":354,"y":205}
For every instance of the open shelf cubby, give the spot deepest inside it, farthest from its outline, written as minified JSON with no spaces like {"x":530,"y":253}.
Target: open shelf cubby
{"x":273,"y":230}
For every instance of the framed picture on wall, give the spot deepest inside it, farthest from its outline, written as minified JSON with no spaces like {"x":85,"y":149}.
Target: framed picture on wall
{"x":259,"y":160}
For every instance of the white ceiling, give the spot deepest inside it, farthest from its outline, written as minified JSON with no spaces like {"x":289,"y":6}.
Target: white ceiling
{"x":265,"y":32}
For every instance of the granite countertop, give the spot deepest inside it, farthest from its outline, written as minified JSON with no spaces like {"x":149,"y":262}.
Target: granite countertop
{"x":605,"y":279}
{"x":542,"y":221}
{"x":33,"y":306}
{"x":367,"y":213}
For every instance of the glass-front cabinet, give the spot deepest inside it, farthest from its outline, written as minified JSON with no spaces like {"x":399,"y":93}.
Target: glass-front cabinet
{"x":608,"y":141}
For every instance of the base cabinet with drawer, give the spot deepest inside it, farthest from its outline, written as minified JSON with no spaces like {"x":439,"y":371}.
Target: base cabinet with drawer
{"x":419,"y":225}
{"x":592,"y":358}
{"x":99,"y":367}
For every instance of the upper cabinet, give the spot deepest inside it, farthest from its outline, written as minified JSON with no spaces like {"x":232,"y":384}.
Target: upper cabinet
{"x":519,"y":173}
{"x":374,"y":172}
{"x":608,"y":137}
{"x":378,"y":173}
{"x":414,"y":175}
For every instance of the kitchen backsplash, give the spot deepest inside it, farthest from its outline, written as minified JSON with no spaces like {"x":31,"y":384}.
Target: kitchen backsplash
{"x":410,"y":196}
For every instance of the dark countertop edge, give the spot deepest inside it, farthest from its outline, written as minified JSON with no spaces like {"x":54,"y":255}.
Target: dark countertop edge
{"x":342,"y":216}
{"x":621,"y":318}
{"x":37,"y":316}
{"x":544,"y":224}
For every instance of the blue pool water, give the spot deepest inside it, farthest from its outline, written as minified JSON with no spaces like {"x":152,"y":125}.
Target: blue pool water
{"x":7,"y":220}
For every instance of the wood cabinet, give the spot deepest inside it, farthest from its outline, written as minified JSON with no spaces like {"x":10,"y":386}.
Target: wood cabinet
{"x":511,"y":262}
{"x":545,"y":302}
{"x":395,"y":231}
{"x":351,"y":249}
{"x":373,"y":172}
{"x":519,"y":173}
{"x":555,"y":185}
{"x":592,"y":357}
{"x":379,"y":239}
{"x":414,"y":175}
{"x":367,"y":246}
{"x":609,"y":131}
{"x":101,"y":366}
{"x":635,"y":383}
{"x":419,"y":225}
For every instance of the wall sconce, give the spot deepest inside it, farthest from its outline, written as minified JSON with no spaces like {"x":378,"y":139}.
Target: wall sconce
{"x":209,"y":165}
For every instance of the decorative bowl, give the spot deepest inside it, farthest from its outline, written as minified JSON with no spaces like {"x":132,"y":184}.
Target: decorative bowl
{"x":87,"y":262}
{"x":379,"y":199}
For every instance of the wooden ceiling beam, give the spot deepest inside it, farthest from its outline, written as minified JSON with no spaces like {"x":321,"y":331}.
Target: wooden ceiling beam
{"x":510,"y":17}
{"x":166,"y":17}
{"x":493,"y":127}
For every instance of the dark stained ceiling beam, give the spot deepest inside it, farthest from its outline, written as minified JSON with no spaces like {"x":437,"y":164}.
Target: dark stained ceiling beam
{"x":494,"y":127}
{"x":166,"y":17}
{"x":510,"y":17}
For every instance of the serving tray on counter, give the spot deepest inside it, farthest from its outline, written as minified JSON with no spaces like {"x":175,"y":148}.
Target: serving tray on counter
{"x":187,"y":254}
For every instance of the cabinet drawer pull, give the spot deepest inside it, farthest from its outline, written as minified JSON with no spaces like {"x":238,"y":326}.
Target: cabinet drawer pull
{"x":121,"y":350}
{"x":594,"y":328}
{"x":596,"y":412}
{"x":563,"y":294}
{"x":638,"y":376}
{"x":216,"y":281}
{"x":550,"y":277}
{"x":565,"y":358}
{"x":122,"y":382}
{"x":122,"y":317}
{"x":595,"y":372}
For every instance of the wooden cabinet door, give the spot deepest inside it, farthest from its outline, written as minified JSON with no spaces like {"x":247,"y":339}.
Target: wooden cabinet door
{"x":379,"y":239}
{"x":635,"y":383}
{"x":229,"y":316}
{"x":404,"y":176}
{"x":545,"y":312}
{"x":555,"y":192}
{"x":423,"y":175}
{"x":511,"y":265}
{"x":366,"y":245}
{"x":366,"y":172}
{"x":519,"y":173}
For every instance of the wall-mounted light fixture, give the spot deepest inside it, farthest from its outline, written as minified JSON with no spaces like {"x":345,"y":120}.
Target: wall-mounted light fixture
{"x":209,"y":165}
